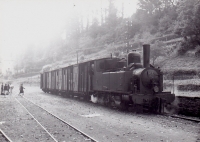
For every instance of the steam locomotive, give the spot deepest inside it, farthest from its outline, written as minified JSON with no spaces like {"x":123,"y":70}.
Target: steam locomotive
{"x":113,"y":82}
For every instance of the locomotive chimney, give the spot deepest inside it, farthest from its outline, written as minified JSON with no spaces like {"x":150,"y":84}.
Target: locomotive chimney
{"x":146,"y":55}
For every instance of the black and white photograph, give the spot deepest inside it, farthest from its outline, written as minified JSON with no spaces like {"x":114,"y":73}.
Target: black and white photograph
{"x":100,"y":70}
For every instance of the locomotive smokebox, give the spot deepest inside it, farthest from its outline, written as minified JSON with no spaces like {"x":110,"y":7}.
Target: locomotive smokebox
{"x":146,"y":55}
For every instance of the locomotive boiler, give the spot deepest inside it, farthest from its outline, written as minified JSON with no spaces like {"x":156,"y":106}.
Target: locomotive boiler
{"x":113,"y":81}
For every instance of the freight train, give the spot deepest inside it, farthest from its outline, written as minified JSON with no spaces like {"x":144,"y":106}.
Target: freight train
{"x":112,"y":81}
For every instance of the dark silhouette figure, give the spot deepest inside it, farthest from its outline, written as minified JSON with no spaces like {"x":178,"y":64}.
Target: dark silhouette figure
{"x":21,"y":90}
{"x":2,"y":89}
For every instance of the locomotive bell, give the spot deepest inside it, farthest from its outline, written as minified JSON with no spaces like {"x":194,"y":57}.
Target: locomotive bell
{"x":146,"y":55}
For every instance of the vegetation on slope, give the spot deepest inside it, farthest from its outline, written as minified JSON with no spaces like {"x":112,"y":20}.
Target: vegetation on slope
{"x":159,"y":22}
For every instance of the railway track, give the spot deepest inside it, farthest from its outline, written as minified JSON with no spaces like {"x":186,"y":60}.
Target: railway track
{"x":85,"y":137}
{"x":4,"y":137}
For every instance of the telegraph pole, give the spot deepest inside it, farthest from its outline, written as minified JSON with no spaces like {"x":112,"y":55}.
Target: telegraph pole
{"x":129,"y":24}
{"x":77,"y":56}
{"x":127,"y":33}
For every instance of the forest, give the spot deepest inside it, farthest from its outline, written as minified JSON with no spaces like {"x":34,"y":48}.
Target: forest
{"x":172,"y":27}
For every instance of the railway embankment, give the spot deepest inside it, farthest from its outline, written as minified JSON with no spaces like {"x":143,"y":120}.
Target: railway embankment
{"x":182,"y":76}
{"x":189,"y":106}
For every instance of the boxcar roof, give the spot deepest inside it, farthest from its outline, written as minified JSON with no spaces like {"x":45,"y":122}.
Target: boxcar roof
{"x":77,"y":64}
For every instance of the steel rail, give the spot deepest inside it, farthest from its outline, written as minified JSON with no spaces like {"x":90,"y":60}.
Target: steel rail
{"x":5,"y":136}
{"x":184,"y":117}
{"x":86,"y":135}
{"x":37,"y":120}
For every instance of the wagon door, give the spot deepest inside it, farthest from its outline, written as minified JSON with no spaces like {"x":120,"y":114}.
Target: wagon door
{"x":41,"y":81}
{"x":75,"y":78}
{"x":64,"y":80}
{"x":80,"y":85}
{"x":53,"y":81}
{"x":47,"y":80}
{"x":49,"y":85}
{"x":85,"y":82}
{"x":57,"y":79}
{"x":83,"y":77}
{"x":70,"y":78}
{"x":52,"y":84}
{"x":60,"y":79}
{"x":90,"y":76}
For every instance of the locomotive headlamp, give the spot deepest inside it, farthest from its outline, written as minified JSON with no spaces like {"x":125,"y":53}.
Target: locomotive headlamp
{"x":156,"y":89}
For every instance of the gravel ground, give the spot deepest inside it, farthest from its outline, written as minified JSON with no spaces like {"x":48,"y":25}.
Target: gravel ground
{"x":107,"y":125}
{"x":59,"y":130}
{"x":17,"y":124}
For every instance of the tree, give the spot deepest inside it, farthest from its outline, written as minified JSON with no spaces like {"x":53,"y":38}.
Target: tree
{"x":94,"y":28}
{"x":167,"y":19}
{"x":150,"y":6}
{"x":157,"y":51}
{"x":188,"y":24}
{"x":159,"y":14}
{"x":111,"y":20}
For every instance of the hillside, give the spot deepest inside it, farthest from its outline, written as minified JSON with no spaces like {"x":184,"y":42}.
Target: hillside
{"x":164,"y":26}
{"x":181,"y":63}
{"x":172,"y":63}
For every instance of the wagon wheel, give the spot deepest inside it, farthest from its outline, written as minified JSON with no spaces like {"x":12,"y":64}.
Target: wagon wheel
{"x":197,"y":54}
{"x":138,"y":108}
{"x":111,"y":102}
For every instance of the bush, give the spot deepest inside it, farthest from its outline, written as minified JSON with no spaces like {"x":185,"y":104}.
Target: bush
{"x":184,"y":72}
{"x":181,"y":49}
{"x":181,"y":74}
{"x":197,"y":53}
{"x":189,"y":106}
{"x":189,"y":87}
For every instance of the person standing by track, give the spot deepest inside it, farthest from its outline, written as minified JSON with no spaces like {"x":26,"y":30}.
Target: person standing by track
{"x":11,"y":88}
{"x":21,"y":90}
{"x":5,"y":90}
{"x":2,"y":89}
{"x":8,"y":88}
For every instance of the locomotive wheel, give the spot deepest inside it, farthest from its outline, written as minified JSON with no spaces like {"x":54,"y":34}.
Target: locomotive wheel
{"x":123,"y":106}
{"x":86,"y":98}
{"x":110,"y":104}
{"x":138,"y":108}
